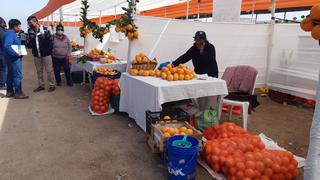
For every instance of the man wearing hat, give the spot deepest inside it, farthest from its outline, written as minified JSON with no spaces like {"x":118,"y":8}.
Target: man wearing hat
{"x":203,"y":55}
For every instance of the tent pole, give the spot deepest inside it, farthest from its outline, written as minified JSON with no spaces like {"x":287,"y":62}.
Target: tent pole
{"x":212,"y":10}
{"x":198,"y":9}
{"x":253,"y":7}
{"x":48,"y":21}
{"x":100,"y":14}
{"x":61,"y":14}
{"x":187,"y":11}
{"x":130,"y":43}
{"x":270,"y":41}
{"x":52,"y":29}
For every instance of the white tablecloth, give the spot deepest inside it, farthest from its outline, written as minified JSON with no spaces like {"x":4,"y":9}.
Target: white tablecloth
{"x":139,"y":94}
{"x":89,"y":66}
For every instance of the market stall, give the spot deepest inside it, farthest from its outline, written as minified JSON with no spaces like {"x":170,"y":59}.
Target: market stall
{"x":139,"y":94}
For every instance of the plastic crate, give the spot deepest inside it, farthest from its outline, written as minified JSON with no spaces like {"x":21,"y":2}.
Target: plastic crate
{"x":175,"y":114}
{"x":115,"y":102}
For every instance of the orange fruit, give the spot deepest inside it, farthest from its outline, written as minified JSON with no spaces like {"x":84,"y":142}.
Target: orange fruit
{"x":135,"y":34}
{"x":173,"y":70}
{"x":181,"y":65}
{"x":180,"y":71}
{"x":164,"y":75}
{"x":166,"y":117}
{"x":158,"y":73}
{"x":140,"y":72}
{"x":315,"y":12}
{"x":152,"y":73}
{"x":134,"y":72}
{"x":187,"y":77}
{"x":189,"y":132}
{"x":181,"y":77}
{"x":166,"y":135}
{"x":316,"y":32}
{"x":146,"y":73}
{"x":129,"y":27}
{"x":172,"y":131}
{"x":307,"y":24}
{"x":176,"y":77}
{"x":170,"y":77}
{"x":183,"y":129}
{"x":165,"y":129}
{"x":165,"y":69}
{"x":169,"y":66}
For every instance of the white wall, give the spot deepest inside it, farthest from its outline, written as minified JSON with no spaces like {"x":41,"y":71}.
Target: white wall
{"x":295,"y":55}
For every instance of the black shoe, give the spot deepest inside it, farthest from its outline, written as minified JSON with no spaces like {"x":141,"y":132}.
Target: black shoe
{"x":70,"y":84}
{"x":20,"y":95}
{"x":40,"y":88}
{"x":59,"y":84}
{"x":51,"y":88}
{"x":10,"y":94}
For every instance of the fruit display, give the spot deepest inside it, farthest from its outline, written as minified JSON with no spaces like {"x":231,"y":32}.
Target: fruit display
{"x":75,"y":46}
{"x":312,"y":22}
{"x":172,"y":131}
{"x":171,"y":73}
{"x":239,"y":155}
{"x":103,"y":57}
{"x":88,"y":26}
{"x":126,"y":23}
{"x":136,"y":72}
{"x":105,"y":71}
{"x":100,"y":97}
{"x":142,"y":62}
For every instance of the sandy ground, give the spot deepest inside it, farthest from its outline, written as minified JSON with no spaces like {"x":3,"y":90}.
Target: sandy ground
{"x":52,"y":136}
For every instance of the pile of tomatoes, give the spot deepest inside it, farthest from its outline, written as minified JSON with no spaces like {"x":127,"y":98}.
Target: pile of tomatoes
{"x":103,"y":89}
{"x":244,"y":157}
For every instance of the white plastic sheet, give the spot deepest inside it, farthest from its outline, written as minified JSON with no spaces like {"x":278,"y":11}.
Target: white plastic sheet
{"x":312,"y":168}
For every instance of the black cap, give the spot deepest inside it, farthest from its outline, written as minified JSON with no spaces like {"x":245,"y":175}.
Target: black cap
{"x":200,"y":35}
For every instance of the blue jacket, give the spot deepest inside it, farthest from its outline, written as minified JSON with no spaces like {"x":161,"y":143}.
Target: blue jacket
{"x":10,"y":38}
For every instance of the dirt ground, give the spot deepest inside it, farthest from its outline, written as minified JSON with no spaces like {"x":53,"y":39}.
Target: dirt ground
{"x":52,"y":136}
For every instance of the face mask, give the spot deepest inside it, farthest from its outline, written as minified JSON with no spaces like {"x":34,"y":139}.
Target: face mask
{"x":59,"y":32}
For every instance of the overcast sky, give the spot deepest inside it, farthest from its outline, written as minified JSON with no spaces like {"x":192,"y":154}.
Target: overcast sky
{"x":20,"y":9}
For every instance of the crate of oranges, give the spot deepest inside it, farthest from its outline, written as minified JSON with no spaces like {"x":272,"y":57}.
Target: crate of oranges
{"x":162,"y":130}
{"x":142,"y":62}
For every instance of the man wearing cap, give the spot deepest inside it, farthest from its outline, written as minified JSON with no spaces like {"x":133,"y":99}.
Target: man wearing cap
{"x":203,"y":55}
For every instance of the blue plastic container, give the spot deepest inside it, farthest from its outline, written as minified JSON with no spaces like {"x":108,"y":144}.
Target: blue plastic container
{"x":182,"y":162}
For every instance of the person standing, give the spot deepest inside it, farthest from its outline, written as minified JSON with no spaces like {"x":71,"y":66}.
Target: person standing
{"x":203,"y":55}
{"x":3,"y":67}
{"x":13,"y":60}
{"x":40,"y":40}
{"x":61,"y":51}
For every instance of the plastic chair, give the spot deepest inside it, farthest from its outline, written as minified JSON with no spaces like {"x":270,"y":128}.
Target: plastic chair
{"x":242,"y":104}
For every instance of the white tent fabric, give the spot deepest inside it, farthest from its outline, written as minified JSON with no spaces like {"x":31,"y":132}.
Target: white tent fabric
{"x":312,"y":168}
{"x":108,"y":7}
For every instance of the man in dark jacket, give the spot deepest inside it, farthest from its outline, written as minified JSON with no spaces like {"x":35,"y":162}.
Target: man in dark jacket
{"x":3,"y":67}
{"x":203,"y":55}
{"x":40,"y":39}
{"x":13,"y":60}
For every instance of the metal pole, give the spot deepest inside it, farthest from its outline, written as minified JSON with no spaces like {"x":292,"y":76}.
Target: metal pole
{"x":130,"y":44}
{"x":115,"y":10}
{"x":285,"y":15}
{"x":100,"y":17}
{"x":75,"y":21}
{"x":48,"y":21}
{"x":253,"y":7}
{"x":187,"y":14}
{"x":270,"y":42}
{"x":212,"y":9}
{"x":52,"y":29}
{"x":61,"y":14}
{"x":198,"y":9}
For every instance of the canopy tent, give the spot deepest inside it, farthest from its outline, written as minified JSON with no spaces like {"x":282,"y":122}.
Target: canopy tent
{"x":108,"y":9}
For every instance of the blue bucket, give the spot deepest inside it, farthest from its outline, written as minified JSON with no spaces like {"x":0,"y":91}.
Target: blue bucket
{"x":182,"y":162}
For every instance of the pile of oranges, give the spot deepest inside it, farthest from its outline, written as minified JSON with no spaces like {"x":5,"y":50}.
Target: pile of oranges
{"x":172,"y":131}
{"x":168,"y":72}
{"x":171,"y":73}
{"x":243,"y":156}
{"x":100,"y":97}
